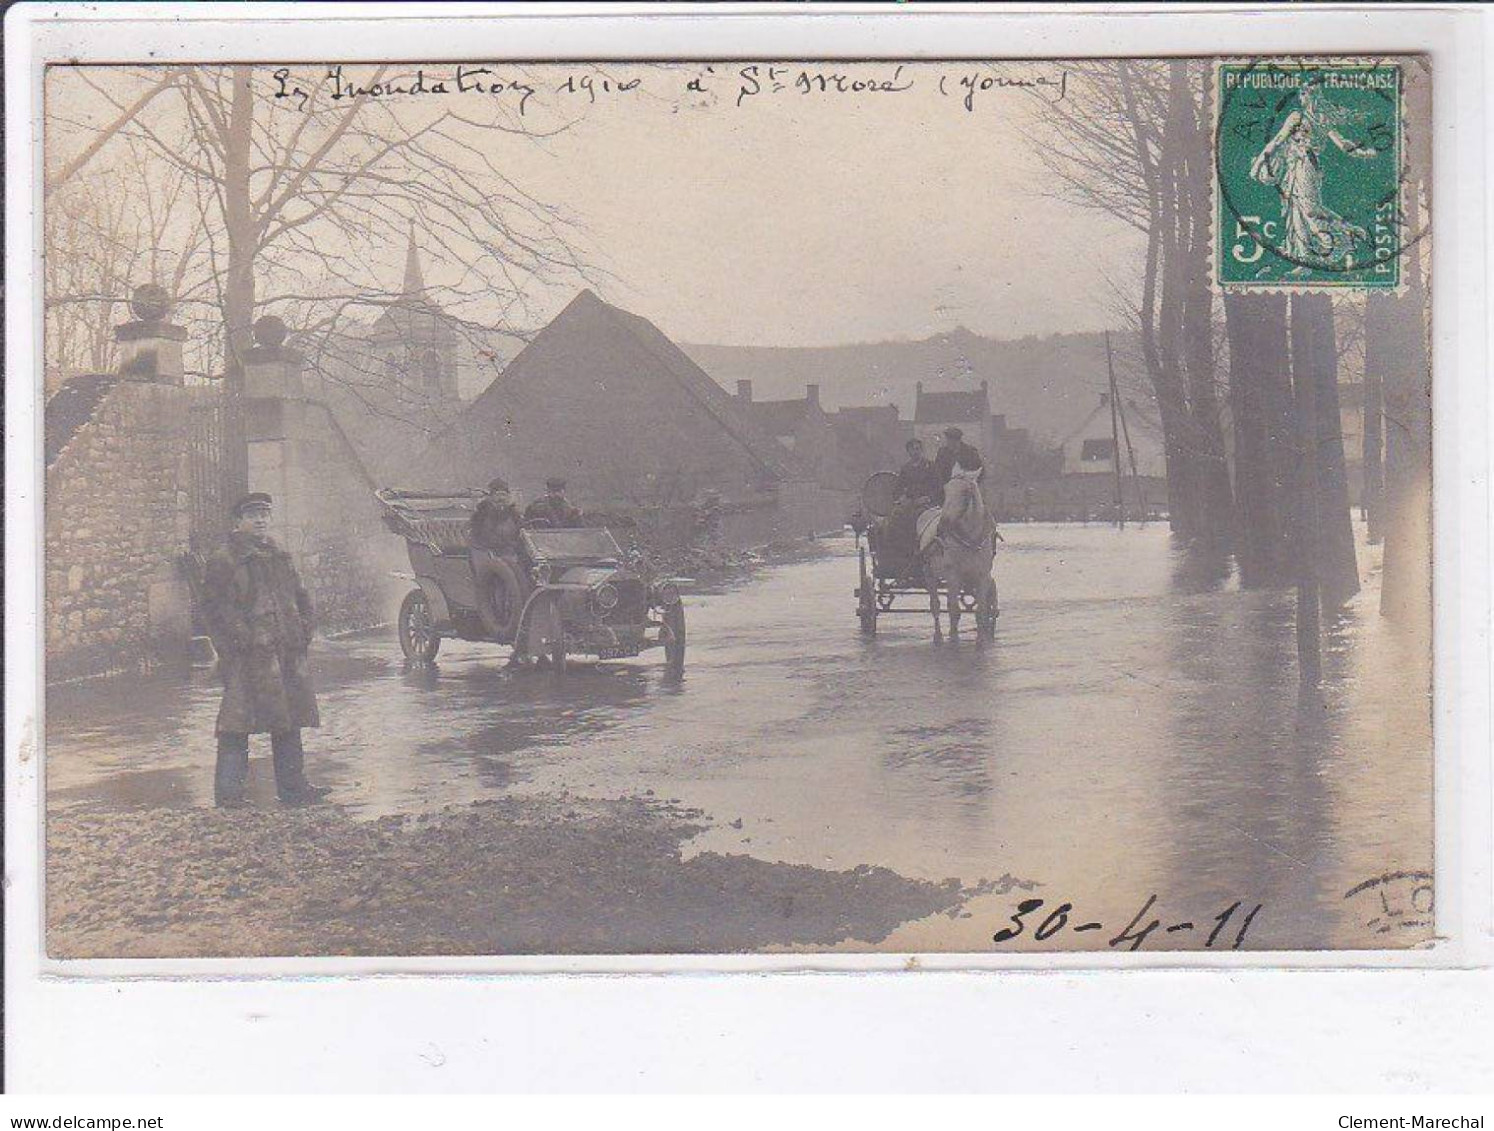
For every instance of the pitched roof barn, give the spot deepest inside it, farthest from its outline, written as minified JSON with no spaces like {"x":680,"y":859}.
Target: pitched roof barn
{"x":603,"y":398}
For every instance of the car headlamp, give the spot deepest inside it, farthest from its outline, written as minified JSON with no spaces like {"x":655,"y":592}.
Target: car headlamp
{"x":606,"y":596}
{"x":667,"y":593}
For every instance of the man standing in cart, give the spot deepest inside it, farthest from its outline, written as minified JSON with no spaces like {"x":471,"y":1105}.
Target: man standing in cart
{"x":260,"y":618}
{"x":953,"y":453}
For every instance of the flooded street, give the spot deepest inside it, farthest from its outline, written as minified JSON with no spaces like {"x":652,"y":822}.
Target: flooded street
{"x":1135,"y":731}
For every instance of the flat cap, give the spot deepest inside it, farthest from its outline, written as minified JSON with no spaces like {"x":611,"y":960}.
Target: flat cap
{"x":254,"y":500}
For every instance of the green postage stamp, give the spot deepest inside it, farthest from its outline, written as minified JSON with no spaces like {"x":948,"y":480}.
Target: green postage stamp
{"x":1307,"y":175}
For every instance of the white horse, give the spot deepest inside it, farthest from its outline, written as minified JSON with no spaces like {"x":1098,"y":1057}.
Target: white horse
{"x":958,"y":544}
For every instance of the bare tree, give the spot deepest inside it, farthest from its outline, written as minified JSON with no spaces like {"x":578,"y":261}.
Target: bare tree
{"x":1130,"y":141}
{"x":302,"y":197}
{"x":101,"y":243}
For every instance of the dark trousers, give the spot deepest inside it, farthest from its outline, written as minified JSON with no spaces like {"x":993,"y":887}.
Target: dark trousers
{"x":232,"y":775}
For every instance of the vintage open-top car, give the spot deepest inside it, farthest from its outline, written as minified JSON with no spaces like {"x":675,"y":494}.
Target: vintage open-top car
{"x":567,"y":591}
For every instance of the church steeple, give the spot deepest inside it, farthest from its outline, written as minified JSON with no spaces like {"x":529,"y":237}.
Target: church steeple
{"x":414,"y":285}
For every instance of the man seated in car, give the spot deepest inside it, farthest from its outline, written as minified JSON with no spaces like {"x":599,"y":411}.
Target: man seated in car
{"x":553,"y":507}
{"x":493,"y":538}
{"x":494,"y":525}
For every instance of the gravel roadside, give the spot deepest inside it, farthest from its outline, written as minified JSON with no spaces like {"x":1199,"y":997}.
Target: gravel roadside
{"x":557,"y":875}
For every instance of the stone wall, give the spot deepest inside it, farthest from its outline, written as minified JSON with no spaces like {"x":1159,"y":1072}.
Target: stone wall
{"x":118,"y":520}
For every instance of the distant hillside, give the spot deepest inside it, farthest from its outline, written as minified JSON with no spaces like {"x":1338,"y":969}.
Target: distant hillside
{"x":1048,"y":385}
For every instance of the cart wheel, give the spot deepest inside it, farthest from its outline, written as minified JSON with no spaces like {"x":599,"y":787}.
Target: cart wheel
{"x":674,"y":643}
{"x":547,"y":635}
{"x":866,"y":604}
{"x":418,"y":638}
{"x":986,"y":611}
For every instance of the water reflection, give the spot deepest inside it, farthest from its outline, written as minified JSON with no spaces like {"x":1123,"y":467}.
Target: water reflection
{"x":1135,"y":730}
{"x":1199,"y":568}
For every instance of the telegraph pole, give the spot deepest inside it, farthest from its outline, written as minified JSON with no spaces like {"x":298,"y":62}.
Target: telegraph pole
{"x":1115,"y":443}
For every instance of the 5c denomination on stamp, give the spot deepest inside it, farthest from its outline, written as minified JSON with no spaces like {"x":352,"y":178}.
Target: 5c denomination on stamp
{"x":1308,"y":175}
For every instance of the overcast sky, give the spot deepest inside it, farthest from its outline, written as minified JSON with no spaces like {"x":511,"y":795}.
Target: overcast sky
{"x":819,"y":218}
{"x":805,"y":216}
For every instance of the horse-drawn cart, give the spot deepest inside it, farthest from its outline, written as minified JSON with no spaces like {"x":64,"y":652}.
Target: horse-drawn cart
{"x":566,"y":591}
{"x":895,"y":560}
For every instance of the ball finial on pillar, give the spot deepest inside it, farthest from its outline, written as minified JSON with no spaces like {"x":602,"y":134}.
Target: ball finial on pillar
{"x":150,"y":348}
{"x":150,"y":302}
{"x":270,"y":331}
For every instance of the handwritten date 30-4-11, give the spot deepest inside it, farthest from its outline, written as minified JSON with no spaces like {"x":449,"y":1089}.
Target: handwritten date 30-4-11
{"x":1225,"y":930}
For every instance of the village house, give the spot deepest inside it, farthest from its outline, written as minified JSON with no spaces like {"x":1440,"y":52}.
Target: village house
{"x":806,"y":429}
{"x":966,"y":409}
{"x":1089,"y":448}
{"x":871,"y":438}
{"x":1076,"y":480}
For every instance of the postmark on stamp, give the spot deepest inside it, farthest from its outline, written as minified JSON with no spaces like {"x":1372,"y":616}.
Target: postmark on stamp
{"x":1308,"y":174}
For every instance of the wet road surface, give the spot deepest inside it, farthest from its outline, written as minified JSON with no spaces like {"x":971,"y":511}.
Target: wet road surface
{"x":1135,"y":731}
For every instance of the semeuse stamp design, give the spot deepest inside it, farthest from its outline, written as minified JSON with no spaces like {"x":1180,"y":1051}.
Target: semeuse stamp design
{"x":1308,"y":175}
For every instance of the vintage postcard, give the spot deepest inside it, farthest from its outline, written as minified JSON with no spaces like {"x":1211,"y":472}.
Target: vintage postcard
{"x":613,"y":508}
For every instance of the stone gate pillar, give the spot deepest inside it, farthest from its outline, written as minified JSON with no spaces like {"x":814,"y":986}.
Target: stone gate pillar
{"x":276,"y":432}
{"x":150,"y":347}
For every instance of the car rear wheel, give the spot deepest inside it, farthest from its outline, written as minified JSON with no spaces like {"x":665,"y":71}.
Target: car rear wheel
{"x":418,"y":638}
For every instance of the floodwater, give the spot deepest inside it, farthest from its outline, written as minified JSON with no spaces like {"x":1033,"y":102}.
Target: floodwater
{"x":1134,"y":734}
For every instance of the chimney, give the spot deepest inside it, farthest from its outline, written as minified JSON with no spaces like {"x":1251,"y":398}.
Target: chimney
{"x":1104,"y":400}
{"x":812,"y":394}
{"x":985,"y":386}
{"x":919,"y":388}
{"x":744,"y":391}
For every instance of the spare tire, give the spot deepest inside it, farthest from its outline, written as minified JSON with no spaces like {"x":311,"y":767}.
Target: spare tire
{"x":500,"y":596}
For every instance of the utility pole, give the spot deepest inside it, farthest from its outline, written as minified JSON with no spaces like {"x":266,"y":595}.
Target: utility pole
{"x":1115,"y":443}
{"x":1131,"y":459}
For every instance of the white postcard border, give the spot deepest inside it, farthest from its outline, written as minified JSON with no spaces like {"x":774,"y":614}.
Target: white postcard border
{"x":1465,"y":880}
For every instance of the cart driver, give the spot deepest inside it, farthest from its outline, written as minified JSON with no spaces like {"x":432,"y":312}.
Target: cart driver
{"x":493,"y":535}
{"x":918,"y":488}
{"x":918,"y":478}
